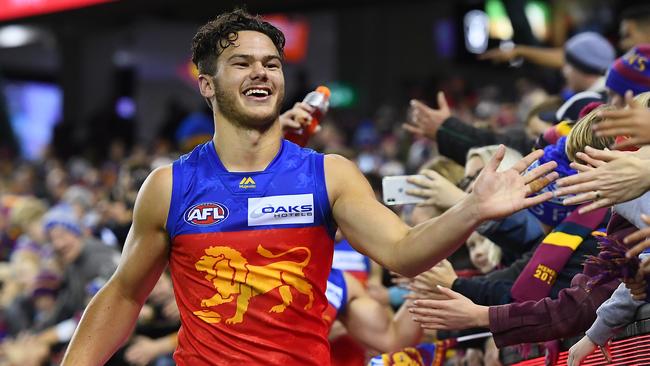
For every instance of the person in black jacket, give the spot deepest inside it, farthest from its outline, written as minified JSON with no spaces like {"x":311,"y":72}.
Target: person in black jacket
{"x":456,"y":137}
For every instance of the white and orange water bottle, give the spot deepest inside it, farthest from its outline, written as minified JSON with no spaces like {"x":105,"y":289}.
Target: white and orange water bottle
{"x":319,"y":99}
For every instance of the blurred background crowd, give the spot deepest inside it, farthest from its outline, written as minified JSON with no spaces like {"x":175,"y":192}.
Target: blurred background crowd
{"x":96,"y":94}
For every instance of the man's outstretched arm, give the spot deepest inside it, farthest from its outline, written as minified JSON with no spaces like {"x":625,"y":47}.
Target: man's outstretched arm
{"x":376,"y":231}
{"x":111,"y":315}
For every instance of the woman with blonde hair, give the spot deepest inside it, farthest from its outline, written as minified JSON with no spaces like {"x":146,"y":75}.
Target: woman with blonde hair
{"x":582,"y":134}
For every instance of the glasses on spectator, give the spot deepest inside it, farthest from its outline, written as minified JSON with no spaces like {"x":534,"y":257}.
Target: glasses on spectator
{"x":468,"y":180}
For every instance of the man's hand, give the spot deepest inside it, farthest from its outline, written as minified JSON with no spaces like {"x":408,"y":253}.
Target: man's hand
{"x":297,"y":117}
{"x":633,"y":122}
{"x":498,"y":194}
{"x":580,"y":351}
{"x":442,"y":274}
{"x":424,"y":120}
{"x":612,"y":177}
{"x":455,"y":312}
{"x":437,"y":190}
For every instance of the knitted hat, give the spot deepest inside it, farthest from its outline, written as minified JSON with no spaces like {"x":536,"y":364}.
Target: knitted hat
{"x":61,"y":216}
{"x":552,"y":212}
{"x":631,"y":71}
{"x":589,"y":52}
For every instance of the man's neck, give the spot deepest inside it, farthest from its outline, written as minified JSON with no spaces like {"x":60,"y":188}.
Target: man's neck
{"x":246,"y":150}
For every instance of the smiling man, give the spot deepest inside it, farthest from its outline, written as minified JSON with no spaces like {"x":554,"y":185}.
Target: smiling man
{"x":246,"y":222}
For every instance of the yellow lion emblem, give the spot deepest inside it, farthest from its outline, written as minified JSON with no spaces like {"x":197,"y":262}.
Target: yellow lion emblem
{"x":232,"y":276}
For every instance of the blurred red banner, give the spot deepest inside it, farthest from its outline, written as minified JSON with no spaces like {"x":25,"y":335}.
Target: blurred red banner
{"x":13,"y":9}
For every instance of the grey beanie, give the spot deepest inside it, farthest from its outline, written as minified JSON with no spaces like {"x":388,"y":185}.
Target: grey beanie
{"x":590,"y":53}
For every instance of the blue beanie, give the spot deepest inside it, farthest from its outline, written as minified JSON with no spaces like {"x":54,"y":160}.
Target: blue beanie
{"x":552,"y":212}
{"x":61,"y":216}
{"x":631,"y":71}
{"x":589,"y":52}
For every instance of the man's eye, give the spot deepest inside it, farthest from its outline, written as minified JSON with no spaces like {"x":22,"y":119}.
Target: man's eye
{"x":273,"y":66}
{"x":241,"y":64}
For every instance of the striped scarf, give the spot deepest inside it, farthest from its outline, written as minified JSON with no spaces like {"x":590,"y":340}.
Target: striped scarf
{"x":550,"y":257}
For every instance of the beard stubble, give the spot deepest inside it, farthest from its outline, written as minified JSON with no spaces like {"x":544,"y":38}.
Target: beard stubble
{"x":227,"y":103}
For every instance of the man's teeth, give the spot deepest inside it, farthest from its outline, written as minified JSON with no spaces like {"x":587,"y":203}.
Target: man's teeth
{"x":257,"y":91}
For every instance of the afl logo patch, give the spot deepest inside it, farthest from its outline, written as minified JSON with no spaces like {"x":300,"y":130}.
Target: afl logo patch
{"x":205,"y":214}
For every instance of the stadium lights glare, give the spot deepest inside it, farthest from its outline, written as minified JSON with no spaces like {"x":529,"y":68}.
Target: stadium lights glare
{"x":17,"y":35}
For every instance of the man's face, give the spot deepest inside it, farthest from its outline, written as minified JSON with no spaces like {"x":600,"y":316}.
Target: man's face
{"x":249,"y":83}
{"x":66,"y":244}
{"x":633,"y":33}
{"x":574,"y":78}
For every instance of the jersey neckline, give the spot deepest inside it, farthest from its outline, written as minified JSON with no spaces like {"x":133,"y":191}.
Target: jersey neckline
{"x":218,"y":165}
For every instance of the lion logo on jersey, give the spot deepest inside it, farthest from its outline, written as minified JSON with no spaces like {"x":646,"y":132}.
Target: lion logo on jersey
{"x":232,"y":277}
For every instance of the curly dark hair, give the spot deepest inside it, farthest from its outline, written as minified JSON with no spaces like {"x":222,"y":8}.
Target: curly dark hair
{"x":218,"y":34}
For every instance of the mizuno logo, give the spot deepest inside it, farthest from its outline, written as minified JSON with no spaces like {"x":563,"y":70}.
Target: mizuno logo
{"x":247,"y":183}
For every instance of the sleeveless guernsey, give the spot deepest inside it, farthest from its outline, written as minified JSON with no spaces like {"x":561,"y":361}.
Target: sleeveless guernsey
{"x":250,"y":256}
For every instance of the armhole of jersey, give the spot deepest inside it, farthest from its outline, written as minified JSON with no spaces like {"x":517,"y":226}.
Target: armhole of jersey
{"x":321,"y":191}
{"x":174,"y":205}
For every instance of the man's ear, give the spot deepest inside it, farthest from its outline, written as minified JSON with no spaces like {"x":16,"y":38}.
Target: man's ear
{"x":206,"y":86}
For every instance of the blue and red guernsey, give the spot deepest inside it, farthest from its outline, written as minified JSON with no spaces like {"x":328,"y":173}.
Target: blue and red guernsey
{"x":250,"y":257}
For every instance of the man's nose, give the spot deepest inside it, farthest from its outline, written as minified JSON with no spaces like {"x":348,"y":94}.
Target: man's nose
{"x":258,"y":71}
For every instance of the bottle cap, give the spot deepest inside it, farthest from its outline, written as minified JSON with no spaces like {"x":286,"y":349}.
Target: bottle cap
{"x":324,"y":90}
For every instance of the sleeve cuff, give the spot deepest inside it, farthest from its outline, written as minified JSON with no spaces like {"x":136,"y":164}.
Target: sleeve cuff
{"x":600,"y":333}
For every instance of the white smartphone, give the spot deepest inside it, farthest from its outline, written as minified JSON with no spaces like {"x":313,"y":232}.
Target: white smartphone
{"x":394,"y":190}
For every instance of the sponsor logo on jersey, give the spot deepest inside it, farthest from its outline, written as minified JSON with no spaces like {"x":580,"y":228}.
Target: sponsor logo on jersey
{"x":278,"y":210}
{"x":205,"y":214}
{"x":247,"y":183}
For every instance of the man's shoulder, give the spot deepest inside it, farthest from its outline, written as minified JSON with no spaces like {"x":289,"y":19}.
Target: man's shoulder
{"x":342,"y":176}
{"x":337,"y":161}
{"x":161,"y":174}
{"x":159,"y":182}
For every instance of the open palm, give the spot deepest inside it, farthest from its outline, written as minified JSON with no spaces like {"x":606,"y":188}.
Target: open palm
{"x":499,"y":194}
